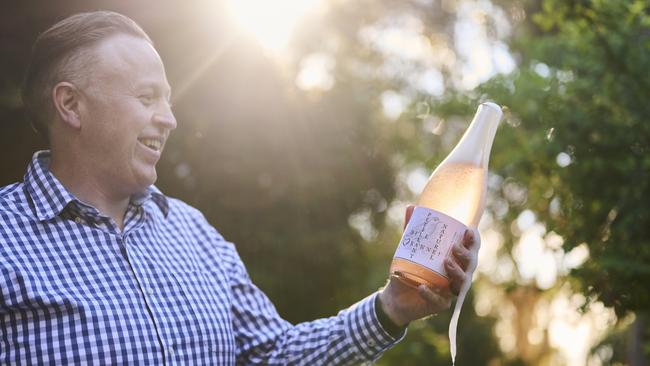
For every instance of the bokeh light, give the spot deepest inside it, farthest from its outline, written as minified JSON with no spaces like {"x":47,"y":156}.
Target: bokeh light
{"x":271,"y":22}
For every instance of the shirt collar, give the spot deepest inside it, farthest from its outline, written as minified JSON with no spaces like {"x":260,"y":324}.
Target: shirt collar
{"x":50,"y":197}
{"x":152,"y":192}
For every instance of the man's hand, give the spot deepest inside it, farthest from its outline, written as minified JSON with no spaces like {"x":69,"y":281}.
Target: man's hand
{"x":403,"y":304}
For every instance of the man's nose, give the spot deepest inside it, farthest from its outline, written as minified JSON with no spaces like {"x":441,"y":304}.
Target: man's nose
{"x":165,"y":118}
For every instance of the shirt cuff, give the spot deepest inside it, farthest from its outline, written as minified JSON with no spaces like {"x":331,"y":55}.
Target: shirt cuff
{"x":365,"y":330}
{"x":391,"y":328}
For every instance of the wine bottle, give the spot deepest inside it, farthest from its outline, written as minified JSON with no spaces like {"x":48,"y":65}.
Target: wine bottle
{"x":452,"y":200}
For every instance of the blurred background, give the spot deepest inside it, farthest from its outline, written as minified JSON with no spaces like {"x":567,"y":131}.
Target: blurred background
{"x":307,"y":126}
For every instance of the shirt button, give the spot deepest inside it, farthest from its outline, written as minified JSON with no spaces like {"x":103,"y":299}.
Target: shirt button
{"x":78,"y":220}
{"x":371,"y":343}
{"x":150,"y":291}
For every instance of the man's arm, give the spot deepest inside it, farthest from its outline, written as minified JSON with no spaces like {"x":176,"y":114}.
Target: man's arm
{"x":355,"y":335}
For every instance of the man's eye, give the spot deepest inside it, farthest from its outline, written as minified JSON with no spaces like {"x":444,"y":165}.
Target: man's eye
{"x":146,"y":98}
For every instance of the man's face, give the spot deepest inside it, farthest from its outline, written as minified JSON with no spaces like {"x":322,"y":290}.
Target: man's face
{"x":125,"y":115}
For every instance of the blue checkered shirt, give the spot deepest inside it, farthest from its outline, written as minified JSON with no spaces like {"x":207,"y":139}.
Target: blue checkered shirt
{"x":166,"y":290}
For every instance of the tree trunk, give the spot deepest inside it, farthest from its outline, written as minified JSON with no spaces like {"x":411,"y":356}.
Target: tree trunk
{"x":637,"y":338}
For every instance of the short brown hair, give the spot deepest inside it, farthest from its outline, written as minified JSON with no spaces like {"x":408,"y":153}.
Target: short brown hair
{"x":58,"y":54}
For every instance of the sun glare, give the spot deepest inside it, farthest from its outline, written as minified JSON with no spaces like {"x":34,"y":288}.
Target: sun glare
{"x":271,"y":22}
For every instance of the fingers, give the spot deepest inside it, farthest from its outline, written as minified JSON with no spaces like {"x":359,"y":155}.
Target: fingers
{"x":456,"y":275}
{"x":408,"y":214}
{"x":470,"y":238}
{"x":462,"y":252}
{"x":462,"y":255}
{"x":436,"y":300}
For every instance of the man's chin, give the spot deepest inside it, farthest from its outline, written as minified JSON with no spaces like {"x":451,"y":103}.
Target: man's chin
{"x":147,"y":179}
{"x":150,"y":180}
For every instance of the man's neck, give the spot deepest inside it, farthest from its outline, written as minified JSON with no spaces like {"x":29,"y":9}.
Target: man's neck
{"x":90,"y":190}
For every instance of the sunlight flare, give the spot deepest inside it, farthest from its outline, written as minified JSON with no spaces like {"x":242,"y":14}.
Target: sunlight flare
{"x":271,"y":22}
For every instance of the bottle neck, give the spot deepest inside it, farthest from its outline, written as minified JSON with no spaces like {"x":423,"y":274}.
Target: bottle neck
{"x":475,"y":145}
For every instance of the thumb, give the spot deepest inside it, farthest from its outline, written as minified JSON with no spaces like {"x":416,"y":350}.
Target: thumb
{"x":408,"y":214}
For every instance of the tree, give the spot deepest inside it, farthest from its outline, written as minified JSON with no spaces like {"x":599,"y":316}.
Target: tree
{"x":576,"y":139}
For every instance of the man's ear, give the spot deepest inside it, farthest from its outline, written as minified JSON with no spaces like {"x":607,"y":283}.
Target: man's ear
{"x":65,"y":96}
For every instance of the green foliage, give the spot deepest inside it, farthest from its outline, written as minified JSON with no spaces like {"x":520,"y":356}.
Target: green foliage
{"x":581,"y":93}
{"x":427,"y":342}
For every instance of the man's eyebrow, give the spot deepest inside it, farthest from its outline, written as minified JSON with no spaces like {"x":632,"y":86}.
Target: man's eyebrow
{"x":165,"y":89}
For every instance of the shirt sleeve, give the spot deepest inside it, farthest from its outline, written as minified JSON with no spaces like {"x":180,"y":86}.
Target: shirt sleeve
{"x":262,"y":337}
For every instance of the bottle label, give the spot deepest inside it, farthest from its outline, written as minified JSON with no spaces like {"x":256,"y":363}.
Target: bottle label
{"x":428,"y":238}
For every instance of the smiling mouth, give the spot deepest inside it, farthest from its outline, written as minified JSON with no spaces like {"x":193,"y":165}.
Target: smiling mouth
{"x":153,"y":144}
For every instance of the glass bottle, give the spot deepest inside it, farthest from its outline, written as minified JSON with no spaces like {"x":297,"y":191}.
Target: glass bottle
{"x":452,"y":200}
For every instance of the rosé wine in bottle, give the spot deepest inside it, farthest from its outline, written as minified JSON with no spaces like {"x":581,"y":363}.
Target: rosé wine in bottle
{"x":452,"y":201}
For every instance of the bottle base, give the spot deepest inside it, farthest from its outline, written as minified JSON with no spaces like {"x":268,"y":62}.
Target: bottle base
{"x":413,"y":275}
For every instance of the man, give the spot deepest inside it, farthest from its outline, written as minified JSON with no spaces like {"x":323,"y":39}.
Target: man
{"x":99,"y":267}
